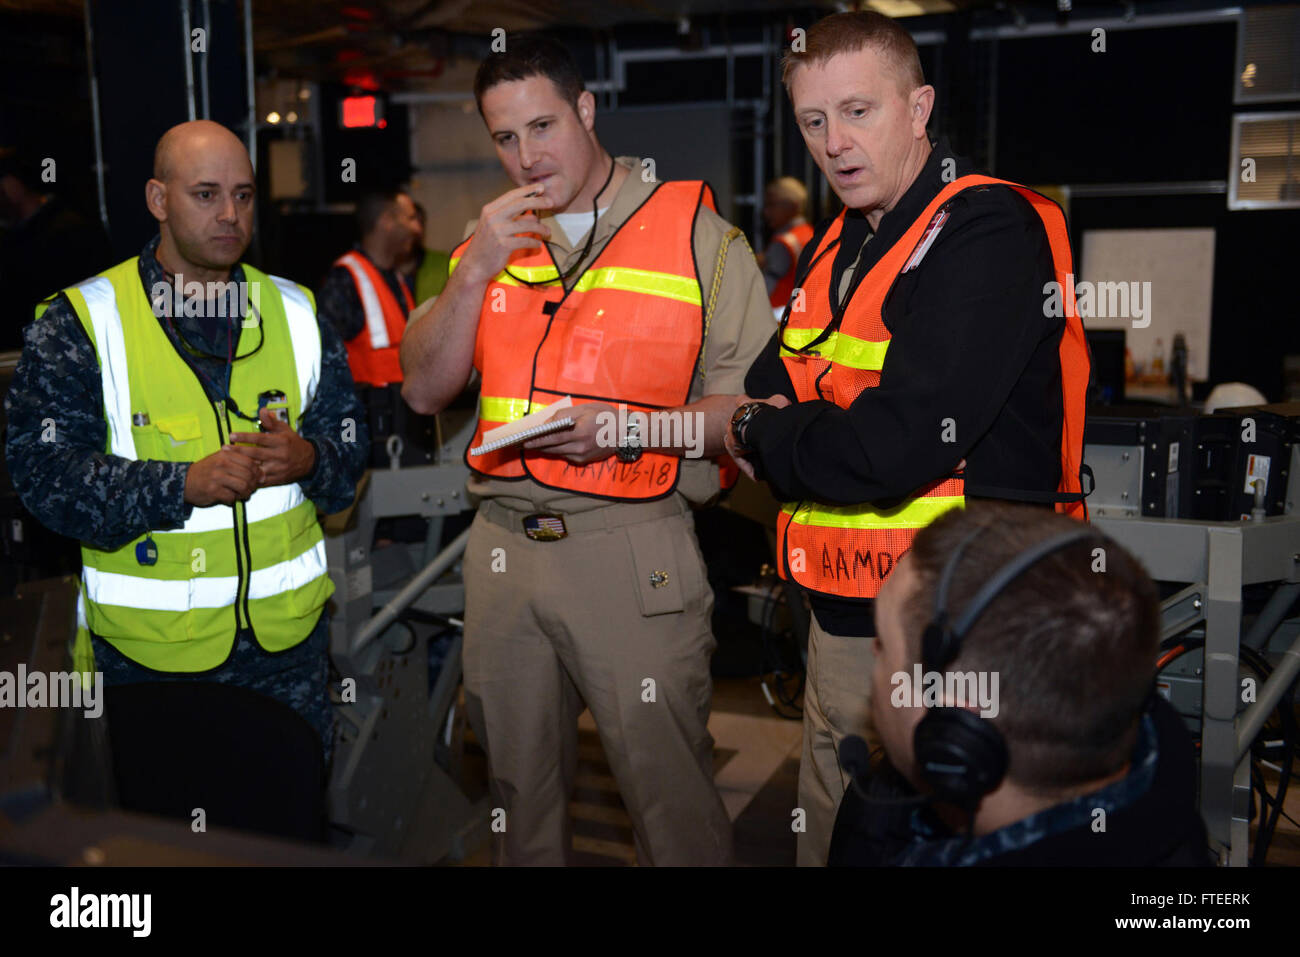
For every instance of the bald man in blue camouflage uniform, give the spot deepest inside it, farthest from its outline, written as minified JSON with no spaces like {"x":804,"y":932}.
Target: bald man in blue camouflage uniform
{"x":77,"y":489}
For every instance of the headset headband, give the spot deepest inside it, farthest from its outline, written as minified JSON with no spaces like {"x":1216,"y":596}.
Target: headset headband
{"x":942,"y":643}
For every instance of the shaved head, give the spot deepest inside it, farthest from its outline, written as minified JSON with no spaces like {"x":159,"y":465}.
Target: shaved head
{"x":191,"y":137}
{"x":202,"y":194}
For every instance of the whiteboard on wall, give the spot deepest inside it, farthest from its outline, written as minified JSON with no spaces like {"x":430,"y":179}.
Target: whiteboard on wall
{"x":1168,"y":275}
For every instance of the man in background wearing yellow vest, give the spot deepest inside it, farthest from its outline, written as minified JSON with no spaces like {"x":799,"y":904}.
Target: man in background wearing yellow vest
{"x":184,"y":415}
{"x":920,"y":358}
{"x":584,"y":582}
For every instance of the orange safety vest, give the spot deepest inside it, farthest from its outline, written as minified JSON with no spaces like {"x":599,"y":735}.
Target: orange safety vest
{"x":629,"y":331}
{"x":848,"y":551}
{"x":794,"y":241}
{"x":373,"y":352}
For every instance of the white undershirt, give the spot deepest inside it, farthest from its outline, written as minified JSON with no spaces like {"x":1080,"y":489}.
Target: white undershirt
{"x":576,"y":225}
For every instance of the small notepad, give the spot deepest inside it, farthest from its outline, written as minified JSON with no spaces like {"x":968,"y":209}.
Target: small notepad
{"x":530,"y":426}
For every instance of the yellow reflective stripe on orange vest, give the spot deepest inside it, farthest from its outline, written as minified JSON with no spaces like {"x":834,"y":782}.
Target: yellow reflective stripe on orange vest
{"x":670,"y":286}
{"x":846,"y":350}
{"x":499,"y":408}
{"x":681,"y":288}
{"x":913,"y":513}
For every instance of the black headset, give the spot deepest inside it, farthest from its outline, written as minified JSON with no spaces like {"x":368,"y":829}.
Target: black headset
{"x":958,"y":753}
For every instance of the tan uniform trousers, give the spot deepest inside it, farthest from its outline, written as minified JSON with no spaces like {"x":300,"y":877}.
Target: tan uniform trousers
{"x":835,"y":701}
{"x":578,"y":621}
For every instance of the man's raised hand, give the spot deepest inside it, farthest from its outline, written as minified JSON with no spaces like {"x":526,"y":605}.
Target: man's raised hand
{"x":507,"y":223}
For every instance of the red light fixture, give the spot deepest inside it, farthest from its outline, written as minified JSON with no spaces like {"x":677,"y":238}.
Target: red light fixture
{"x":362,"y":112}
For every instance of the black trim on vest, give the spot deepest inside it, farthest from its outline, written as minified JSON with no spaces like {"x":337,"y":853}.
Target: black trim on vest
{"x":532,"y":384}
{"x":699,"y":284}
{"x":551,"y":312}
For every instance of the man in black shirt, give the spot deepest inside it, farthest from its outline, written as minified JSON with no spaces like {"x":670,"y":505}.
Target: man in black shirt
{"x":45,"y":244}
{"x":917,"y":364}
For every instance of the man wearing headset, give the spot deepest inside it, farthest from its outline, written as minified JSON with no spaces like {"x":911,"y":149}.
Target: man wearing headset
{"x":1073,"y":759}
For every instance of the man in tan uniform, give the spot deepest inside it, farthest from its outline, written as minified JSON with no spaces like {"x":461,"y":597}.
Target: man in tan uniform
{"x":584,"y":581}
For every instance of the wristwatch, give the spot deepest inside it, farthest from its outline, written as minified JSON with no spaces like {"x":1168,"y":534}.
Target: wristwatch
{"x":740,"y":419}
{"x":630,"y":450}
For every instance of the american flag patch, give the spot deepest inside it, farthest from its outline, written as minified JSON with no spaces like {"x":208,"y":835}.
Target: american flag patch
{"x":542,"y":527}
{"x":927,"y":240}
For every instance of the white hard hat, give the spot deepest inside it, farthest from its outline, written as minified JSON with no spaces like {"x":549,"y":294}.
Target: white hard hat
{"x":1231,"y":395}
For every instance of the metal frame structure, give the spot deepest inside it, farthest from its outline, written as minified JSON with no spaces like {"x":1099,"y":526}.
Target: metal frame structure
{"x":1218,"y":559}
{"x":395,"y":789}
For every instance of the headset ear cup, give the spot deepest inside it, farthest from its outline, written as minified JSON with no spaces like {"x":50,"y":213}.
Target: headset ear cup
{"x":935,"y":641}
{"x":961,"y":755}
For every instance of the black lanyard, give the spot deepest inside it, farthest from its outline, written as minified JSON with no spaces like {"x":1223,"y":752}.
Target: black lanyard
{"x":837,"y":311}
{"x":582,"y":258}
{"x":223,"y":393}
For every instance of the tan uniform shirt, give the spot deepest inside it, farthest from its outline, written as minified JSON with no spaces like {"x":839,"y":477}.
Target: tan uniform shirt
{"x":741,"y":326}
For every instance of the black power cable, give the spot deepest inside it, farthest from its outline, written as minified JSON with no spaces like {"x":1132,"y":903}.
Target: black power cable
{"x":771,"y":654}
{"x":1290,"y":731}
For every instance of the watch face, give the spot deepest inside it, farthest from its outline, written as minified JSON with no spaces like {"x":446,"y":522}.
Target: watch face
{"x":740,"y":417}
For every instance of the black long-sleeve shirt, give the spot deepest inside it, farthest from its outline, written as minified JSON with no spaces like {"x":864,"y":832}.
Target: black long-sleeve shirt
{"x":972,"y":357}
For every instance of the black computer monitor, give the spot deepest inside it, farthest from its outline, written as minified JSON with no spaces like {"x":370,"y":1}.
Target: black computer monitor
{"x":1106,"y":384}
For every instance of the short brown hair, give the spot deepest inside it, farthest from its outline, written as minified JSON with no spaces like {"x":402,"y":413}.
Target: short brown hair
{"x":851,"y":32}
{"x":1074,"y":648}
{"x":528,"y":55}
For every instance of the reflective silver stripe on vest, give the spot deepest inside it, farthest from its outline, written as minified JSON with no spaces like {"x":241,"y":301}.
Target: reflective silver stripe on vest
{"x":375,"y":321}
{"x":153,"y":594}
{"x":264,"y":503}
{"x":101,"y":299}
{"x":304,"y":333}
{"x":110,"y":343}
{"x":287,"y":575}
{"x":114,"y":588}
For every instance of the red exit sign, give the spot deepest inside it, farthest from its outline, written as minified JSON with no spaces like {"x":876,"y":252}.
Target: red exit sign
{"x":362,"y":112}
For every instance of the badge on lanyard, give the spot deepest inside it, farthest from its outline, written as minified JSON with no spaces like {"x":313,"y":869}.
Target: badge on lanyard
{"x":146,"y":552}
{"x":277,"y":402}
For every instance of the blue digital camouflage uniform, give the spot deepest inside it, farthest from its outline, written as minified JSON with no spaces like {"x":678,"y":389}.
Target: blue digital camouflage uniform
{"x":933,"y":850}
{"x":77,"y":489}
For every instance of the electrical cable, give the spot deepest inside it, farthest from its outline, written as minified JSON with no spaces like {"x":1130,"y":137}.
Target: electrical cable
{"x":779,"y":675}
{"x":1290,"y":734}
{"x":1290,"y":737}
